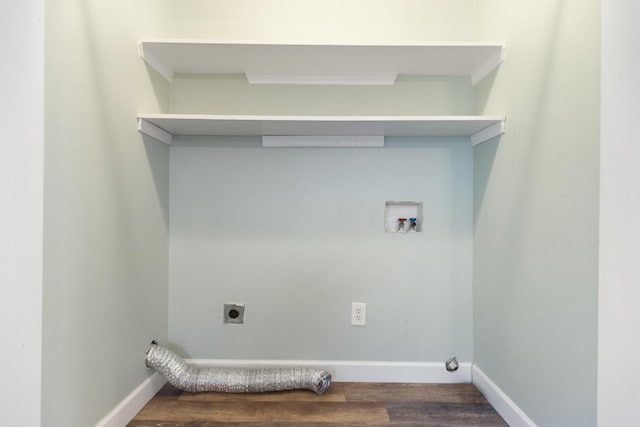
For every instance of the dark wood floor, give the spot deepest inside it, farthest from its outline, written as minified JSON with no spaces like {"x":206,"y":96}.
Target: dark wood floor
{"x":344,"y":404}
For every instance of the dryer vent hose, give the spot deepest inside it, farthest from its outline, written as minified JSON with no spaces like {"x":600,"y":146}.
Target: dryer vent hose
{"x":233,"y":380}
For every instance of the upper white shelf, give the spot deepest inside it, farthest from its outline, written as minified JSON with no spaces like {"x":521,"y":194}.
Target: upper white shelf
{"x":164,"y":126}
{"x":308,"y":63}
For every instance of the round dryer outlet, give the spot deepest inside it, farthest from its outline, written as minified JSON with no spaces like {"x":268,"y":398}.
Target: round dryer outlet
{"x":233,"y":313}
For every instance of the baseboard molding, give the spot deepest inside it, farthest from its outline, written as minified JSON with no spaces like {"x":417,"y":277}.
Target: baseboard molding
{"x":134,"y":402}
{"x":359,"y":371}
{"x":512,"y":414}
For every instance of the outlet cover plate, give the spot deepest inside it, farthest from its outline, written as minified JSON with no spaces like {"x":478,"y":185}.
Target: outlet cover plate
{"x":358,"y":313}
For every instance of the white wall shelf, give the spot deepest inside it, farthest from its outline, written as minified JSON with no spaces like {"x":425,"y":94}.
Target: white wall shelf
{"x":309,"y":63}
{"x":164,"y":126}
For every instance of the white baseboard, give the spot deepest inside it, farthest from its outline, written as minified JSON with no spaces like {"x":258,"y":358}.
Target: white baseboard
{"x":133,"y":403}
{"x":359,"y":371}
{"x":512,"y":414}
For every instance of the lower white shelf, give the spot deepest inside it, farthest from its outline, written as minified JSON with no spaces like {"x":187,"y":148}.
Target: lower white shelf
{"x":164,"y":126}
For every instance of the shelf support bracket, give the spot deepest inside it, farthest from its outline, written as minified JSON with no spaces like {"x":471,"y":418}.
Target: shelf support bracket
{"x":488,"y":133}
{"x":377,"y":79}
{"x":322,"y":141}
{"x":489,"y":65}
{"x":155,"y":132}
{"x":145,"y":54}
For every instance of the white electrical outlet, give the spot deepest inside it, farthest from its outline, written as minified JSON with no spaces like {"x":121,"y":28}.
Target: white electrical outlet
{"x":358,"y":313}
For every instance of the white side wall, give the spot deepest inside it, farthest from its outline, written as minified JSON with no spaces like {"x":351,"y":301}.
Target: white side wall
{"x":619,"y":297}
{"x":106,"y":208}
{"x":536,"y":210}
{"x":21,"y":181}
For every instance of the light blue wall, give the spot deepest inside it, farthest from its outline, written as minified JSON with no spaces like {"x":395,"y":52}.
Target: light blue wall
{"x":106,"y":208}
{"x":298,"y":234}
{"x":536,"y":210}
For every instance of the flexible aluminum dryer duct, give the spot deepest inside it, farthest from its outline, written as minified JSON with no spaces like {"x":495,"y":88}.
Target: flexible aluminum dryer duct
{"x":233,"y":380}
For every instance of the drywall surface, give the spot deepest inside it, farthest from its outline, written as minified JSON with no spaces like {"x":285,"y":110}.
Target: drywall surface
{"x":232,"y":94}
{"x":619,"y":295}
{"x":325,"y":20}
{"x":21,"y":173}
{"x":106,"y":208}
{"x":536,"y":210}
{"x":299,"y":234}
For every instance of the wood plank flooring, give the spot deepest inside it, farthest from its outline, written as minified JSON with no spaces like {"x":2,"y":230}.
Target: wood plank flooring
{"x":344,"y":404}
